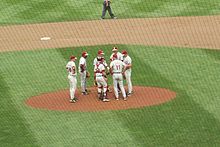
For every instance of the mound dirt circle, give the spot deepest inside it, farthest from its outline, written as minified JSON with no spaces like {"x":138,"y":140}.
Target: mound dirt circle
{"x":59,"y":100}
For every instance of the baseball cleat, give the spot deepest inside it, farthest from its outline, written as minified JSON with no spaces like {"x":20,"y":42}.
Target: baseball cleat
{"x":129,"y":94}
{"x":105,"y":100}
{"x":117,"y":99}
{"x":84,"y":93}
{"x":125,"y":99}
{"x":109,"y":90}
{"x":72,"y":101}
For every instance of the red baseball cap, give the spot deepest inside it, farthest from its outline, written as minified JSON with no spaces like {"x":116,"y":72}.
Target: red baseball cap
{"x":115,"y":49}
{"x":124,"y":52}
{"x":72,"y":57}
{"x":100,"y":52}
{"x":84,"y":54}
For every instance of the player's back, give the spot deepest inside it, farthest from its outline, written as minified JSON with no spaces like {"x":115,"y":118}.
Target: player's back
{"x":70,"y":66}
{"x":117,"y":66}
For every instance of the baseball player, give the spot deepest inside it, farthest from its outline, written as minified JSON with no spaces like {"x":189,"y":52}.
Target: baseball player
{"x":119,"y":57}
{"x":117,"y":68}
{"x":82,"y":71}
{"x":71,"y":69}
{"x":127,"y":60}
{"x":115,"y":51}
{"x":101,"y":79}
{"x":100,"y":55}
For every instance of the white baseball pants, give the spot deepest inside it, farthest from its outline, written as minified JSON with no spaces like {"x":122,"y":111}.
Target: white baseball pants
{"x":73,"y":85}
{"x":128,"y":80}
{"x":118,"y":78}
{"x":83,"y":81}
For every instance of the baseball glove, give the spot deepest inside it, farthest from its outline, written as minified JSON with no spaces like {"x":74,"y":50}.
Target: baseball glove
{"x":87,"y":74}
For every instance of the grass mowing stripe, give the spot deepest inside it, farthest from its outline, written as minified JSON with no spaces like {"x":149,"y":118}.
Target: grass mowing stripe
{"x":33,"y":11}
{"x":29,"y":73}
{"x":192,"y":70}
{"x":181,"y":121}
{"x":14,"y":130}
{"x":155,"y":126}
{"x":115,"y":137}
{"x":44,"y":71}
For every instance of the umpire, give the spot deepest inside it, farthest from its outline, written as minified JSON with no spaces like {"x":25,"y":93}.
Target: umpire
{"x":107,"y":6}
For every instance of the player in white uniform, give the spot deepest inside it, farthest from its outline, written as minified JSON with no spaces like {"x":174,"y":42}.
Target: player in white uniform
{"x":71,"y":69}
{"x":127,"y":60}
{"x":115,"y":51}
{"x":82,"y":71}
{"x":100,"y":77}
{"x":97,"y":60}
{"x":117,"y":68}
{"x":119,"y":57}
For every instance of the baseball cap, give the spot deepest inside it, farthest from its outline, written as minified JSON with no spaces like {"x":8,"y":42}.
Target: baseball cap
{"x":115,"y":49}
{"x":100,"y":52}
{"x":84,"y":54}
{"x":124,"y":52}
{"x":72,"y":57}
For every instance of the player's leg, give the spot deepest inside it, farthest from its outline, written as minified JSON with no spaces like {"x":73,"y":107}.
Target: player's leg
{"x":99,"y":88}
{"x":128,"y":80}
{"x":104,"y":10}
{"x":120,"y":81}
{"x":110,"y":10}
{"x":72,"y":88}
{"x":105,"y":86}
{"x":83,"y":82}
{"x":115,"y":83}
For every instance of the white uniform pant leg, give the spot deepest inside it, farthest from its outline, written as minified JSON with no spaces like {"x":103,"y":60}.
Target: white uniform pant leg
{"x":120,"y":81}
{"x":73,"y":84}
{"x":128,"y":80}
{"x":102,"y":85}
{"x":115,"y":83}
{"x":83,"y":81}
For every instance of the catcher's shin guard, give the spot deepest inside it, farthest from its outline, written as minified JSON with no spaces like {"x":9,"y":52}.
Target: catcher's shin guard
{"x":100,"y":96}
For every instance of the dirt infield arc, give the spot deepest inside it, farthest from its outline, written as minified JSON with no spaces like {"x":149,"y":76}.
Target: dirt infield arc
{"x":194,"y":32}
{"x":59,"y":100}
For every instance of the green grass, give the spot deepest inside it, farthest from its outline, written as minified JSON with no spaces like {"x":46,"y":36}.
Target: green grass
{"x":14,"y":129}
{"x":191,"y":119}
{"x":41,"y":11}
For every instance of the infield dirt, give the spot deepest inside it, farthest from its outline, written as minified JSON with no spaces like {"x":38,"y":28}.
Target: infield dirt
{"x":194,"y":32}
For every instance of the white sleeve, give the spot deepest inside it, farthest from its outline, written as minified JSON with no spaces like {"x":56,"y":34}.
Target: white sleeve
{"x":82,"y":61}
{"x":111,"y":64}
{"x":94,"y":61}
{"x":124,"y":64}
{"x":120,"y":56}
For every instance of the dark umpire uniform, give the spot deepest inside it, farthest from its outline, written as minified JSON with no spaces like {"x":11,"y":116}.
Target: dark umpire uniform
{"x":106,"y":6}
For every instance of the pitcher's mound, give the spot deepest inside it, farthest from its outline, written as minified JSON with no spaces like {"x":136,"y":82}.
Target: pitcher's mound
{"x":142,"y":96}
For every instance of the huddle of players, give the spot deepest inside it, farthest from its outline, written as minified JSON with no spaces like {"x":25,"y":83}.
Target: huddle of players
{"x":120,"y":67}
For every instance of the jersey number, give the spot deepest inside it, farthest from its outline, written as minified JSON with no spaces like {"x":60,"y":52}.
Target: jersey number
{"x":117,"y":66}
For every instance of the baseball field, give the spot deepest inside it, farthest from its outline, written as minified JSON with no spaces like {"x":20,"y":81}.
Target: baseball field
{"x":174,"y":45}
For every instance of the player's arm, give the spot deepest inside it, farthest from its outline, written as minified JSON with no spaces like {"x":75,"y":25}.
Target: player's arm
{"x":110,"y":69}
{"x":125,"y":67}
{"x":129,"y":65}
{"x":73,"y":70}
{"x":82,"y":67}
